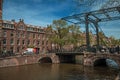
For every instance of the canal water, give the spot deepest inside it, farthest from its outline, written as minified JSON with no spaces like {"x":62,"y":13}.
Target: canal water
{"x":57,"y":72}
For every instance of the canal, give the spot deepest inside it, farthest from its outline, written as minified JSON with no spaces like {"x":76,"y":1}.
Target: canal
{"x":57,"y":72}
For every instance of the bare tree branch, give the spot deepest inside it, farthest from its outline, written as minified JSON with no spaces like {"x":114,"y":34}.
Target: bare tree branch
{"x":87,"y":5}
{"x":111,"y":3}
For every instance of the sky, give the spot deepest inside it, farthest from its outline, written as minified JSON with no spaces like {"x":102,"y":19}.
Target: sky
{"x":36,"y":12}
{"x":43,"y":12}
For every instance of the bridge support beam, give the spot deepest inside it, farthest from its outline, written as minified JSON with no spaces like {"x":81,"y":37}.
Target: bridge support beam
{"x":97,"y":34}
{"x":87,"y":32}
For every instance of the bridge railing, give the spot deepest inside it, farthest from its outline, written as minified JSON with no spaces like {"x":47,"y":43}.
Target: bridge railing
{"x":92,"y":49}
{"x":65,"y":50}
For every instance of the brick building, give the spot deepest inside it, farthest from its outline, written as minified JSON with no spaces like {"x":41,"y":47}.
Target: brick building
{"x":17,"y":36}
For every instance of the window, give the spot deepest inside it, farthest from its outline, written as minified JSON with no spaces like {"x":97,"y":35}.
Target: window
{"x":0,"y":24}
{"x":18,"y":49}
{"x":4,"y":48}
{"x":40,"y":30}
{"x":8,"y":25}
{"x":12,"y":26}
{"x":4,"y":33}
{"x":11,"y":49}
{"x":18,"y":41}
{"x":29,"y":29}
{"x":23,"y":42}
{"x":43,"y":37}
{"x":42,"y":42}
{"x":38,"y":42}
{"x":23,"y":35}
{"x":34,"y":42}
{"x":11,"y":34}
{"x":4,"y":41}
{"x":46,"y":42}
{"x":28,"y":35}
{"x":21,"y":27}
{"x":38,"y":36}
{"x":18,"y":34}
{"x":33,"y":35}
{"x":12,"y":41}
{"x":23,"y":48}
{"x":28,"y":42}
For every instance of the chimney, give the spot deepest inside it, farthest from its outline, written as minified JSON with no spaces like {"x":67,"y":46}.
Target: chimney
{"x":13,"y":20}
{"x":21,"y":20}
{"x":1,"y":6}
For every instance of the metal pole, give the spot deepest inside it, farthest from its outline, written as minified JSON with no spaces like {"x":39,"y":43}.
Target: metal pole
{"x":97,"y":34}
{"x":87,"y":32}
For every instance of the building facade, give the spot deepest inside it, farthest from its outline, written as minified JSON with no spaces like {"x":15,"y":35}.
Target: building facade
{"x":17,"y":36}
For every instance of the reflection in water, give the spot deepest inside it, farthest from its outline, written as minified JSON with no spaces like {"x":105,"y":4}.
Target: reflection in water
{"x":112,"y":63}
{"x":57,"y":72}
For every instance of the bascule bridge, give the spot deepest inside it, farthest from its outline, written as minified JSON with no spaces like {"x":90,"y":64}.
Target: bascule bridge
{"x":95,"y":17}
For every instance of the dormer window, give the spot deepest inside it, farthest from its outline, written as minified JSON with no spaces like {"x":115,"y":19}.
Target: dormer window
{"x":7,"y":25}
{"x":21,"y":27}
{"x":29,"y":29}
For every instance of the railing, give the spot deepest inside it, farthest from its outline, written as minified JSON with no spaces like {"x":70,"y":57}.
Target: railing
{"x":93,"y":49}
{"x":6,"y":54}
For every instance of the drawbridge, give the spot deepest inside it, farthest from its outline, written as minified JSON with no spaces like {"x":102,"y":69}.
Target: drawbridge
{"x":94,"y":17}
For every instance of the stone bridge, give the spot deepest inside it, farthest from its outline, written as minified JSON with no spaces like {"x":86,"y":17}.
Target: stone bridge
{"x":28,"y":59}
{"x":93,"y":59}
{"x":87,"y":59}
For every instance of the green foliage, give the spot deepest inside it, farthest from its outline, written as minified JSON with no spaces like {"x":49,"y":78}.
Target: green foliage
{"x":60,"y":33}
{"x":114,"y":41}
{"x":103,"y":40}
{"x":74,"y":34}
{"x":63,"y":34}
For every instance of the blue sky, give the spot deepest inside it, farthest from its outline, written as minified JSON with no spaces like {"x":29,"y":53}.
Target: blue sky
{"x":43,"y":12}
{"x":36,"y":12}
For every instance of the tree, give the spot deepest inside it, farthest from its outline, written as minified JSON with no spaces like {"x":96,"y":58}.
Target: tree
{"x":74,"y":35}
{"x":114,"y":41}
{"x":59,"y":33}
{"x":63,"y":34}
{"x":103,"y":40}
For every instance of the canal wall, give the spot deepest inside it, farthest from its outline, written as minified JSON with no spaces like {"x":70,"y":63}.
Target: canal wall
{"x":16,"y":61}
{"x":26,"y":59}
{"x":32,"y":59}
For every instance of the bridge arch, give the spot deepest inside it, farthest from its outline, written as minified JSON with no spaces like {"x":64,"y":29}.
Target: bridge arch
{"x":48,"y":58}
{"x":45,"y":60}
{"x":91,"y":59}
{"x":102,"y":61}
